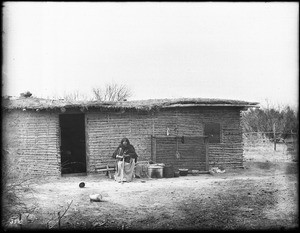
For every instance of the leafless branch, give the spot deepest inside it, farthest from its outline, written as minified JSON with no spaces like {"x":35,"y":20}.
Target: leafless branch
{"x":59,"y":218}
{"x":112,"y":92}
{"x":66,"y":209}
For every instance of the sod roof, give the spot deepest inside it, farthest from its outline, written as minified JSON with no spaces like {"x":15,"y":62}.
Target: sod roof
{"x":40,"y":103}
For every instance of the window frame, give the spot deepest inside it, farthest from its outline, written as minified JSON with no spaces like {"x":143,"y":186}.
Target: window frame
{"x":213,"y":137}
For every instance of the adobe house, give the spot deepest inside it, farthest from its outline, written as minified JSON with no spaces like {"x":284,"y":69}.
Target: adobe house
{"x":57,"y":137}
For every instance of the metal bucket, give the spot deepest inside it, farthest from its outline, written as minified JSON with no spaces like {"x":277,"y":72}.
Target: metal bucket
{"x":155,"y":171}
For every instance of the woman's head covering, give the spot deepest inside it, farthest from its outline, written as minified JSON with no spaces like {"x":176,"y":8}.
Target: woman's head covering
{"x":125,"y":139}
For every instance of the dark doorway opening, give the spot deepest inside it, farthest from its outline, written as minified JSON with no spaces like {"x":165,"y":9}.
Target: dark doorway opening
{"x":72,"y":147}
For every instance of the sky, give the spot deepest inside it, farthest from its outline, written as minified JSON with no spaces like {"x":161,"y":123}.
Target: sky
{"x":242,"y":51}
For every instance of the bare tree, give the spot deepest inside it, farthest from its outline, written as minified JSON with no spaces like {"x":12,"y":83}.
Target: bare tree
{"x":283,"y":118}
{"x":15,"y":182}
{"x":112,"y":92}
{"x":75,"y":96}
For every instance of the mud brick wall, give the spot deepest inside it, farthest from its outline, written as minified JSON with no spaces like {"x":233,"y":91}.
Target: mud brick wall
{"x":228,"y":153}
{"x":33,"y":137}
{"x":105,"y":131}
{"x":191,"y":121}
{"x":32,"y":141}
{"x":192,"y":152}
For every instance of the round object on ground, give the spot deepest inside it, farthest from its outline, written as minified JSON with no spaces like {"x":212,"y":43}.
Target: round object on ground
{"x":95,"y":197}
{"x":81,"y":184}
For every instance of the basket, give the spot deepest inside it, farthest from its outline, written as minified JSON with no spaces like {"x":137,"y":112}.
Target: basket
{"x":183,"y":172}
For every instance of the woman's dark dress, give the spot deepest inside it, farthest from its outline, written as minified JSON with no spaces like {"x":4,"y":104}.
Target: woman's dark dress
{"x":129,"y":163}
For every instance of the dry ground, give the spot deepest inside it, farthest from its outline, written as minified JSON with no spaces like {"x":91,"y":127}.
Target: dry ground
{"x":264,"y":195}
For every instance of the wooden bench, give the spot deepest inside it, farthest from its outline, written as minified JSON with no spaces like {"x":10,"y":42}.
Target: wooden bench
{"x":107,"y":166}
{"x":110,"y":166}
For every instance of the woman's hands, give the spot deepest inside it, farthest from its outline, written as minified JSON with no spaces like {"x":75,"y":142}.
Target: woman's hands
{"x":126,"y":155}
{"x":122,"y":156}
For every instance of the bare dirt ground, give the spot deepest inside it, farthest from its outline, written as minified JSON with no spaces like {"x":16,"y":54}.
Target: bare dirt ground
{"x":264,"y":195}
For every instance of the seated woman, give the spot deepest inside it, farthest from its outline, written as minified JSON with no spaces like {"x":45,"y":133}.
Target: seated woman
{"x":127,"y":157}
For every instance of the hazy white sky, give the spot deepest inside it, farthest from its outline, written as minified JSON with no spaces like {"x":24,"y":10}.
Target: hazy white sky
{"x":243,"y":51}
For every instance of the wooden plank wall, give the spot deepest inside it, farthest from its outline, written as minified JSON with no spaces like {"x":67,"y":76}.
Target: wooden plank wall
{"x":32,"y":139}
